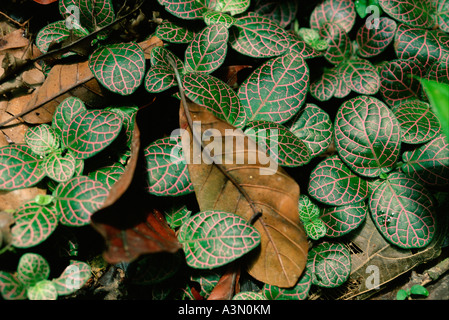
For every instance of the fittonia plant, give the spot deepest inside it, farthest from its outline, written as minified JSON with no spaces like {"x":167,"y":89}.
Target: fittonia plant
{"x":352,"y":100}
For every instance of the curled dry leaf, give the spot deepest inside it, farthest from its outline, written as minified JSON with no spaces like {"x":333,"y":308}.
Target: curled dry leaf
{"x":255,"y":188}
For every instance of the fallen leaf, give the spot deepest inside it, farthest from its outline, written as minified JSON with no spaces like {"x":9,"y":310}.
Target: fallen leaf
{"x":15,"y":131}
{"x":13,"y":40}
{"x":6,"y":220}
{"x":248,"y":189}
{"x":225,"y":289}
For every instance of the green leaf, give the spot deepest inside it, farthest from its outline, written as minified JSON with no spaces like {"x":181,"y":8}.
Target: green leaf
{"x":339,"y":44}
{"x":77,"y":199}
{"x":417,"y":13}
{"x":213,"y":238}
{"x":20,"y":167}
{"x":248,"y":295}
{"x":216,"y":96}
{"x":171,"y":32}
{"x":314,"y":127}
{"x":258,"y":37}
{"x":361,"y":76}
{"x":42,"y":139}
{"x":57,"y":32}
{"x":343,"y":219}
{"x":276,"y":90}
{"x":159,"y":78}
{"x":325,"y":86}
{"x":92,"y":14}
{"x":367,"y":136}
{"x":429,"y":164}
{"x":119,"y":67}
{"x":213,"y":17}
{"x":330,"y":264}
{"x":442,"y":15}
{"x":281,"y":144}
{"x":418,"y":122}
{"x":10,"y":287}
{"x":208,"y":49}
{"x":403,"y":212}
{"x":32,"y":268}
{"x":298,"y":292}
{"x":398,"y":83}
{"x":282,"y":12}
{"x":438,"y":94}
{"x":160,"y":57}
{"x":207,"y":279}
{"x":373,"y":41}
{"x":72,"y":278}
{"x":232,"y":6}
{"x":60,"y":165}
{"x":336,"y":12}
{"x":307,"y":209}
{"x":186,"y":9}
{"x":315,"y":229}
{"x":108,"y":175}
{"x":43,"y":290}
{"x":419,"y":45}
{"x":33,"y":225}
{"x":90,"y":132}
{"x":177,"y":216}
{"x":166,"y":168}
{"x":65,"y":112}
{"x":333,"y":183}
{"x":419,"y":290}
{"x":402,"y":295}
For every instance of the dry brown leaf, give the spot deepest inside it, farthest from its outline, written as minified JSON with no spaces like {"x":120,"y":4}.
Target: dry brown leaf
{"x":282,"y":255}
{"x":16,"y":129}
{"x":13,"y":40}
{"x":149,"y":44}
{"x":226,"y":286}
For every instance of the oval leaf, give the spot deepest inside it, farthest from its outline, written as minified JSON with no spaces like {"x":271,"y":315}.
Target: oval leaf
{"x":42,"y":139}
{"x":343,"y":219}
{"x":333,"y":183}
{"x":166,"y":168}
{"x":213,"y":238}
{"x":186,"y":9}
{"x":57,"y":32}
{"x":171,"y":32}
{"x":59,"y":166}
{"x":402,"y":210}
{"x":283,"y":12}
{"x":20,"y":167}
{"x":11,"y":288}
{"x":33,"y":225}
{"x":373,"y":41}
{"x":159,"y":78}
{"x":119,"y":67}
{"x":65,"y":112}
{"x":361,"y":76}
{"x":367,"y":136}
{"x":91,"y":131}
{"x":77,"y":199}
{"x":298,"y":292}
{"x":330,"y":264}
{"x":208,"y":49}
{"x":338,"y":12}
{"x":418,"y":122}
{"x":32,"y":268}
{"x":417,"y":13}
{"x":72,"y":278}
{"x":276,"y":90}
{"x":258,"y":37}
{"x":43,"y":290}
{"x":429,"y":164}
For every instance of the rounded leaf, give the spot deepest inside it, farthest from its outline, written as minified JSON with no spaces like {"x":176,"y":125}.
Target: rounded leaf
{"x":32,"y":268}
{"x":314,"y":127}
{"x":258,"y":37}
{"x":338,"y":12}
{"x":216,"y":96}
{"x":232,"y":6}
{"x":167,"y":170}
{"x":214,"y":238}
{"x":108,"y":175}
{"x":208,"y":49}
{"x":20,"y":167}
{"x":42,"y":139}
{"x":429,"y":164}
{"x":403,"y":212}
{"x":77,"y":199}
{"x":373,"y":41}
{"x":279,"y":142}
{"x":60,"y":165}
{"x":367,"y":136}
{"x":283,"y":12}
{"x":33,"y":225}
{"x":11,"y":288}
{"x":339,"y":44}
{"x":299,"y":292}
{"x":171,"y":32}
{"x":119,"y":67}
{"x":343,"y":219}
{"x":213,"y":17}
{"x":361,"y":76}
{"x":333,"y":183}
{"x":276,"y":90}
{"x":186,"y":9}
{"x":159,"y":78}
{"x":330,"y":264}
{"x":92,"y":14}
{"x":65,"y":112}
{"x":418,"y":122}
{"x":43,"y":290}
{"x":72,"y":278}
{"x":57,"y":32}
{"x":91,"y":131}
{"x":325,"y":87}
{"x":315,"y":229}
{"x":417,"y":13}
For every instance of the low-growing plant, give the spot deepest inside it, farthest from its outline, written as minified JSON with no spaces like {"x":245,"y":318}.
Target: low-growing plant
{"x":352,"y":101}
